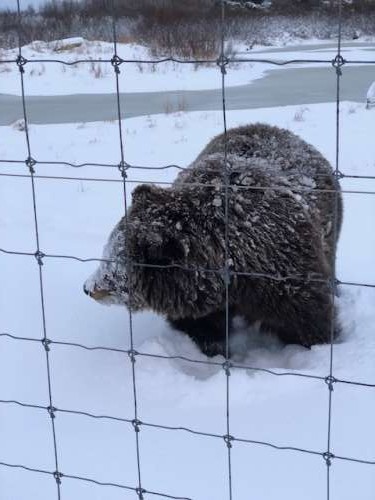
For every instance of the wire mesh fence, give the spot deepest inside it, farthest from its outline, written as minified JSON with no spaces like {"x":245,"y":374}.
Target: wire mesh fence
{"x":47,"y":343}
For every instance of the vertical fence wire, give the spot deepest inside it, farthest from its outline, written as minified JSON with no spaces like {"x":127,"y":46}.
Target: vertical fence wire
{"x":337,"y":64}
{"x":222,"y":63}
{"x":30,"y":162}
{"x":116,"y":61}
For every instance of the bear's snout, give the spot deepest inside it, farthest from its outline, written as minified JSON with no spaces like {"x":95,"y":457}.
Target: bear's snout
{"x":96,"y":293}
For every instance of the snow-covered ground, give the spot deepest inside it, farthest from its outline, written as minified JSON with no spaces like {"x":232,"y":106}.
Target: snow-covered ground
{"x":97,"y":77}
{"x":75,"y":218}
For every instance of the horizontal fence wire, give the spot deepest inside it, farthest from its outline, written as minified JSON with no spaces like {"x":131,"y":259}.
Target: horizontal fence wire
{"x":232,"y":273}
{"x":60,"y":475}
{"x":223,"y":62}
{"x":228,"y":60}
{"x":127,"y":167}
{"x":207,"y":362}
{"x":195,"y":184}
{"x":187,"y":430}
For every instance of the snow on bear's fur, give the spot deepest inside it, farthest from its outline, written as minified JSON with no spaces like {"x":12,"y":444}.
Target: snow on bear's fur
{"x":284,"y":210}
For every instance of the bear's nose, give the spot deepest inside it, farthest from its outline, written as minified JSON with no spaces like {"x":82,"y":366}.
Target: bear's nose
{"x":96,"y":293}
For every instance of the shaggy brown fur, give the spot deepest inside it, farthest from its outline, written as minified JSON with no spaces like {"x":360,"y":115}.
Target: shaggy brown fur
{"x":280,"y":226}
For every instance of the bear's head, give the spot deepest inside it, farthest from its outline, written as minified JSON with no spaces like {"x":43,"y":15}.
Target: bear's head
{"x":163,"y":255}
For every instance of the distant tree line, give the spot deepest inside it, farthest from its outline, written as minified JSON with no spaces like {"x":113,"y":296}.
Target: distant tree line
{"x":188,"y":28}
{"x":188,"y":8}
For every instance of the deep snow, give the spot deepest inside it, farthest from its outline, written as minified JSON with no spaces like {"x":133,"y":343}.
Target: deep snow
{"x":75,"y":218}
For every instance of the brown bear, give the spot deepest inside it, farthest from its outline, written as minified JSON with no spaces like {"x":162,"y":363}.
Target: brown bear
{"x":259,"y":210}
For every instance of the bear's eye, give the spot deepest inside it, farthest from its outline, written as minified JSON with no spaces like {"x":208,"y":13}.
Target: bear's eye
{"x":173,"y":251}
{"x":169,"y":252}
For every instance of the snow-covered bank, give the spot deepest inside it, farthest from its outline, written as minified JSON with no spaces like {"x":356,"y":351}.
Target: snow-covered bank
{"x":75,"y":218}
{"x":44,"y":78}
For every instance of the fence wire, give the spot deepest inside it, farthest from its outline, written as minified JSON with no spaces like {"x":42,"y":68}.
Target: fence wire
{"x":123,"y":167}
{"x":223,"y":62}
{"x":337,"y":64}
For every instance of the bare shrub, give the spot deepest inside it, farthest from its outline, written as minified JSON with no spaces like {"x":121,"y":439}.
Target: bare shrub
{"x":299,"y":115}
{"x":96,"y":69}
{"x":168,"y":107}
{"x":181,"y":103}
{"x":38,"y":70}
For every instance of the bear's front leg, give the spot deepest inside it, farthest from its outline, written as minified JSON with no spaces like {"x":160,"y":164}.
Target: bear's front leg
{"x":208,"y":332}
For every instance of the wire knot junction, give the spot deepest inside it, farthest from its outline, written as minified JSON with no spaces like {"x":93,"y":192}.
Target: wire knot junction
{"x":328,"y":456}
{"x":227,"y":365}
{"x":58,"y":475}
{"x":137,"y":425}
{"x":123,"y":167}
{"x":30,"y":163}
{"x":46,"y":343}
{"x":39,"y":257}
{"x":132,"y":353}
{"x":338,"y":62}
{"x":225,"y":275}
{"x":222,"y":62}
{"x":338,"y":175}
{"x":116,"y":61}
{"x":228,"y":440}
{"x":52,"y":410}
{"x":140,"y":492}
{"x":330,"y":380}
{"x":21,"y":61}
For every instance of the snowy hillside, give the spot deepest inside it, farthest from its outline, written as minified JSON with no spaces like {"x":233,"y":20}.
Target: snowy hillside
{"x":75,"y":218}
{"x":97,"y":77}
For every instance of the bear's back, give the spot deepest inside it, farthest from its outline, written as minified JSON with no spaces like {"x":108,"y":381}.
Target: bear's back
{"x":265,"y":156}
{"x":282,"y":148}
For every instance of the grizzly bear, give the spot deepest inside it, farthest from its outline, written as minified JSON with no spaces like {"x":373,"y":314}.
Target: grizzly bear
{"x":249,"y":229}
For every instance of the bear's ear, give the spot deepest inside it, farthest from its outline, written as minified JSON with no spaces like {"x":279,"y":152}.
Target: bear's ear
{"x":145,"y":192}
